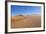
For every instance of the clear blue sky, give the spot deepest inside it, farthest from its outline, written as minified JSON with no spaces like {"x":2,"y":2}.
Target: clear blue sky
{"x":16,"y":9}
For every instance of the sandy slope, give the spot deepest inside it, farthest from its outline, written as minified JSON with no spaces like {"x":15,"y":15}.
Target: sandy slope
{"x":25,"y":21}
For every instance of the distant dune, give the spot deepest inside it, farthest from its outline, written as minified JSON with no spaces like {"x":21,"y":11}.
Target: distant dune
{"x":25,"y":21}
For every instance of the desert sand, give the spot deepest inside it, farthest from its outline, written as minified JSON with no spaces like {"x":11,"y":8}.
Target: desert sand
{"x":28,"y":21}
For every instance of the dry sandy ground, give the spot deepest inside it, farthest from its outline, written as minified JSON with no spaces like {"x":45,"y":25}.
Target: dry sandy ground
{"x":25,"y":21}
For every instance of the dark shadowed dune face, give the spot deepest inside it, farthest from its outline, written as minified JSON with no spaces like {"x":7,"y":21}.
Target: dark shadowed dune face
{"x":19,"y":15}
{"x":21,"y":21}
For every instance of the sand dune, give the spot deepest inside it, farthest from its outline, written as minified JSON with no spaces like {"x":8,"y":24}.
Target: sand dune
{"x":25,"y":21}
